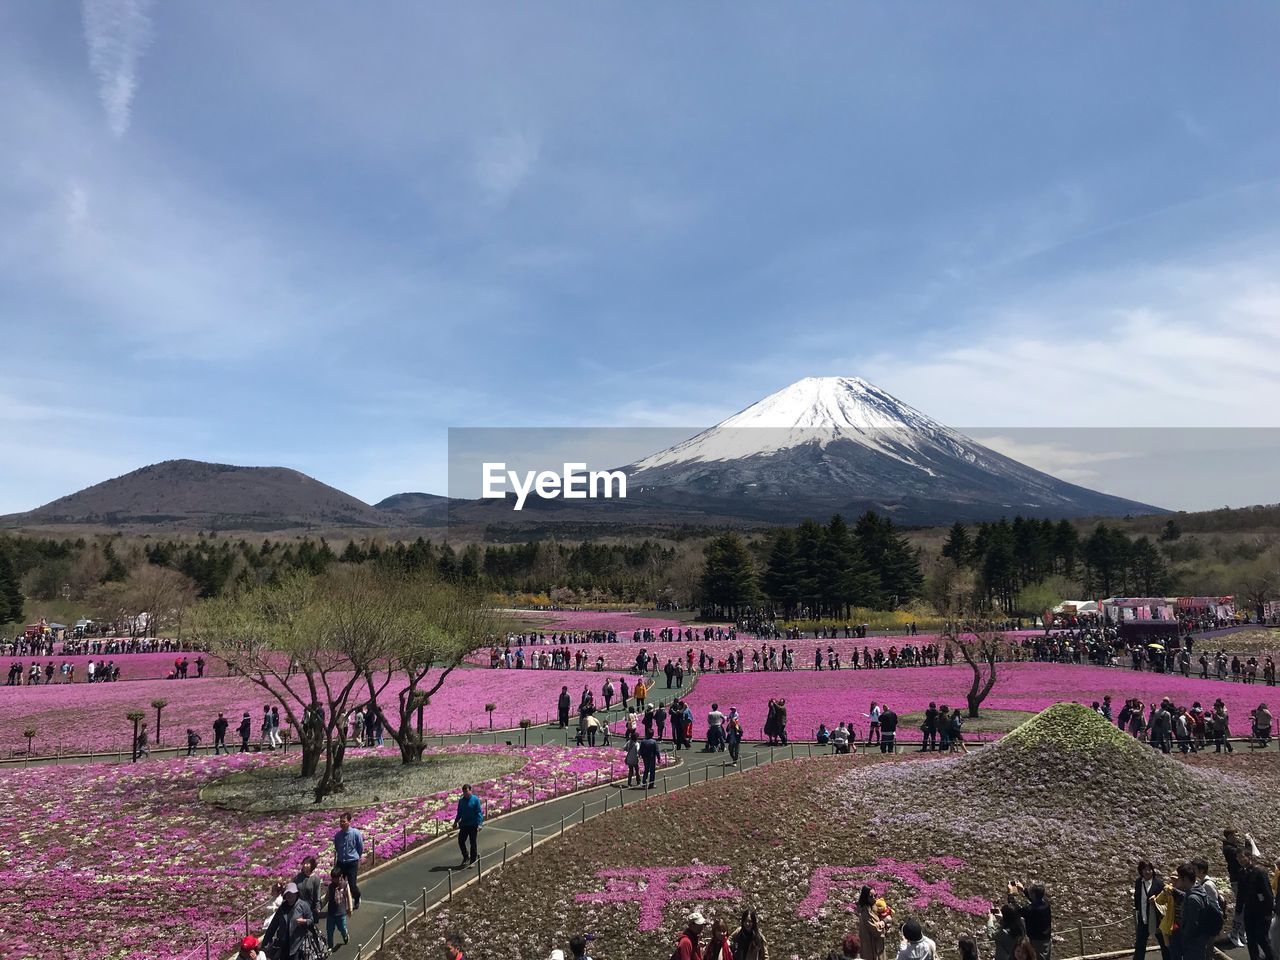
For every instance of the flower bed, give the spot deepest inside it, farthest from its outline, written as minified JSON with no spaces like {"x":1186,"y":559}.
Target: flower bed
{"x":106,"y":860}
{"x":1068,"y":803}
{"x":91,"y":716}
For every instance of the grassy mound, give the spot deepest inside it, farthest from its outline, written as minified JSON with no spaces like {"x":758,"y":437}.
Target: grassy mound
{"x":277,"y":788}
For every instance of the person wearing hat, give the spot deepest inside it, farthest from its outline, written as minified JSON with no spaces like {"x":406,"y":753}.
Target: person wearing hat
{"x":915,"y":945}
{"x":249,"y":950}
{"x":687,"y":947}
{"x":291,"y":927}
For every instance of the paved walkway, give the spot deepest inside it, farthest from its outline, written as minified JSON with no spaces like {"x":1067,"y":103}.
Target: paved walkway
{"x":436,"y":867}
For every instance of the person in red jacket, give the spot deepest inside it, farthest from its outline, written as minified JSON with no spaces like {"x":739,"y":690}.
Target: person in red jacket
{"x":687,"y":947}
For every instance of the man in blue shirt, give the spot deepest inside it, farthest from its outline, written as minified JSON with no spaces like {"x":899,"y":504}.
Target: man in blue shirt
{"x":468,"y":820}
{"x":348,"y":848}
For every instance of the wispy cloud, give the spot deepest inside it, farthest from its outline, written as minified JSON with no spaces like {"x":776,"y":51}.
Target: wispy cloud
{"x":1070,"y":463}
{"x":76,"y":203}
{"x":117,"y":33}
{"x":504,"y":163}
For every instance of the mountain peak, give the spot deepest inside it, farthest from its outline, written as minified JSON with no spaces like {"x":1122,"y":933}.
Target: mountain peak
{"x":813,"y":411}
{"x":843,"y":440}
{"x":846,"y":403}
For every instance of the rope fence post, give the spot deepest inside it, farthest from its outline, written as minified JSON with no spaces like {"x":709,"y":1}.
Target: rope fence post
{"x":531,"y":839}
{"x":450,"y":878}
{"x":424,"y":902}
{"x":1080,"y":931}
{"x":504,"y":853}
{"x":382,"y":936}
{"x":404,"y":915}
{"x":584,"y":812}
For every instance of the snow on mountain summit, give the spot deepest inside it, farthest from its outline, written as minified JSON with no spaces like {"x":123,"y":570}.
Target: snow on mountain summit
{"x":819,"y":411}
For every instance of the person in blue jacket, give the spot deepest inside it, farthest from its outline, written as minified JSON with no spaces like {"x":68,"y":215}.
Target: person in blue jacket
{"x":468,"y":820}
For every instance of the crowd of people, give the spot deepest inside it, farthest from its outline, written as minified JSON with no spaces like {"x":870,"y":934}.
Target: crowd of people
{"x":46,"y":645}
{"x":95,"y":671}
{"x":1191,"y":729}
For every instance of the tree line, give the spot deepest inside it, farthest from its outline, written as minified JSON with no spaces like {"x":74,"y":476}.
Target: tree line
{"x":1009,"y":557}
{"x":813,"y":570}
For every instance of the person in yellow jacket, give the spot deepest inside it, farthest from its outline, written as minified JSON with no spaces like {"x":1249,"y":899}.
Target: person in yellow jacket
{"x":641,"y":691}
{"x":1169,"y":903}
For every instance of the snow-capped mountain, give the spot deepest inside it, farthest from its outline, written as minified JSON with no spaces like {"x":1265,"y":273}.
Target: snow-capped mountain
{"x":841,"y":443}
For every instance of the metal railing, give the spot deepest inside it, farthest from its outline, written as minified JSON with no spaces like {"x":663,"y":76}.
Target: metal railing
{"x":398,"y":922}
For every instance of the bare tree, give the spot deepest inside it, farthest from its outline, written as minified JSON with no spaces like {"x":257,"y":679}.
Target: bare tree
{"x":980,"y":644}
{"x":969,"y":628}
{"x":436,"y":626}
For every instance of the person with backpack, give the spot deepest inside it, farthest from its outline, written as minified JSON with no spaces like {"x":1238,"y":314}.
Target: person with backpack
{"x":1256,"y":901}
{"x":1201,"y":919}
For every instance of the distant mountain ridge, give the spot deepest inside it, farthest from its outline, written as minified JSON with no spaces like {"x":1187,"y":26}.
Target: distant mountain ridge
{"x":207,"y":496}
{"x":820,"y":446}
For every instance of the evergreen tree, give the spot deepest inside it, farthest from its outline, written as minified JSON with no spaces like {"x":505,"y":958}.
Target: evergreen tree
{"x":10,"y":594}
{"x":116,"y":569}
{"x":780,"y":580}
{"x":728,"y":579}
{"x":958,"y":548}
{"x":892,"y":557}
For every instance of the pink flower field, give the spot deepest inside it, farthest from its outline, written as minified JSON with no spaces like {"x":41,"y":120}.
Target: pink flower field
{"x":116,"y":859}
{"x":831,"y":696}
{"x":91,"y":716}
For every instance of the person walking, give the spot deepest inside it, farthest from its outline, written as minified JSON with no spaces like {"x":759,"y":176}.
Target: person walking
{"x":1200,"y":920}
{"x":1146,"y":917}
{"x":650,"y":753}
{"x":337,"y":905}
{"x":245,"y":730}
{"x":291,"y":927}
{"x":220,"y":735}
{"x":468,"y":820}
{"x":733,"y":735}
{"x":633,"y":758}
{"x":1256,"y":900}
{"x":308,"y":884}
{"x":564,"y":705}
{"x":1221,"y":728}
{"x":1231,"y":849}
{"x":348,"y":848}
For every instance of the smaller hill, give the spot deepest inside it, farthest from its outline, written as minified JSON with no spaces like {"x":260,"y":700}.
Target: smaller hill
{"x":192,"y":494}
{"x":415,"y":509}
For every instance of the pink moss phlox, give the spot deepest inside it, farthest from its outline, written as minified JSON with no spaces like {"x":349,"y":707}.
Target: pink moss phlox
{"x":840,"y":882}
{"x":653,"y":888}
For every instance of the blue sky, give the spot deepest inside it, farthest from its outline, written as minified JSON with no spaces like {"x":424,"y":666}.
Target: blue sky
{"x":301,"y":233}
